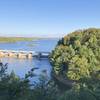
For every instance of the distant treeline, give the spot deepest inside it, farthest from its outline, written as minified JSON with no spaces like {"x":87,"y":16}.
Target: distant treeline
{"x":15,"y":39}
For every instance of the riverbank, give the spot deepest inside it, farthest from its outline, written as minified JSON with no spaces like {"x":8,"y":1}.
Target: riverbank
{"x":15,"y":39}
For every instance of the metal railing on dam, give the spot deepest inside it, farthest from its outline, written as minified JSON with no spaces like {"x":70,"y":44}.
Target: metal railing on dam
{"x":23,"y":54}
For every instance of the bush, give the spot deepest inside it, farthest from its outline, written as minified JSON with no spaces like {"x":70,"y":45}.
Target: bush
{"x":13,"y":87}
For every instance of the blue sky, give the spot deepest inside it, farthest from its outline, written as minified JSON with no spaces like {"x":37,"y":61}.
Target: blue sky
{"x":47,"y":17}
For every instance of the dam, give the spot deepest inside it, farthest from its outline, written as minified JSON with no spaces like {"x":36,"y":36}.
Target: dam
{"x":23,"y":54}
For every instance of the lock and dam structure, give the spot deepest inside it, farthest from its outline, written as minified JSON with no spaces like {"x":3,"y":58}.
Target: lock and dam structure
{"x":23,"y":54}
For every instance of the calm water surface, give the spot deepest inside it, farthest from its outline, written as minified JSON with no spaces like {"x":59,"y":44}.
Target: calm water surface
{"x":22,"y":66}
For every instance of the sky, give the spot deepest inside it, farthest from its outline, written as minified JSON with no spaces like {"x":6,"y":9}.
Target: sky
{"x":50,"y":18}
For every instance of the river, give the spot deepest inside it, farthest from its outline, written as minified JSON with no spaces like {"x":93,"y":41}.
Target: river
{"x":22,"y":66}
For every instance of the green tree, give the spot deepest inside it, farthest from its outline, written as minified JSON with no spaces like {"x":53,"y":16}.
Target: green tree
{"x":77,"y":55}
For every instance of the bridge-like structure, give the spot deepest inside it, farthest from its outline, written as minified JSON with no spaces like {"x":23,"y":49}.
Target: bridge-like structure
{"x":23,"y":54}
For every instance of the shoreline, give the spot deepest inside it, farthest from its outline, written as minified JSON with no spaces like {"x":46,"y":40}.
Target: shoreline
{"x":16,"y":39}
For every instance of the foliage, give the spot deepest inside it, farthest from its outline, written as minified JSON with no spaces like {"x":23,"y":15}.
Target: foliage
{"x":13,"y":87}
{"x":82,"y":94}
{"x":77,"y":55}
{"x":86,"y":89}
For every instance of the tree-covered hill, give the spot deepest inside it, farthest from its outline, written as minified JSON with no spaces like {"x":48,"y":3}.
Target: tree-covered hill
{"x":77,"y":55}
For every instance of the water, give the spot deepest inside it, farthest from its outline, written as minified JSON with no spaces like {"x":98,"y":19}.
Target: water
{"x":35,"y":45}
{"x":22,"y":66}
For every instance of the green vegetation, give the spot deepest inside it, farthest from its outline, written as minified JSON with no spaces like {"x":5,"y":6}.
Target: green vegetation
{"x":13,"y":87}
{"x":14,"y":39}
{"x":77,"y":55}
{"x":32,"y":44}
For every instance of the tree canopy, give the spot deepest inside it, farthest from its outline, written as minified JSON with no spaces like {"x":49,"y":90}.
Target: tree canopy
{"x":77,"y":55}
